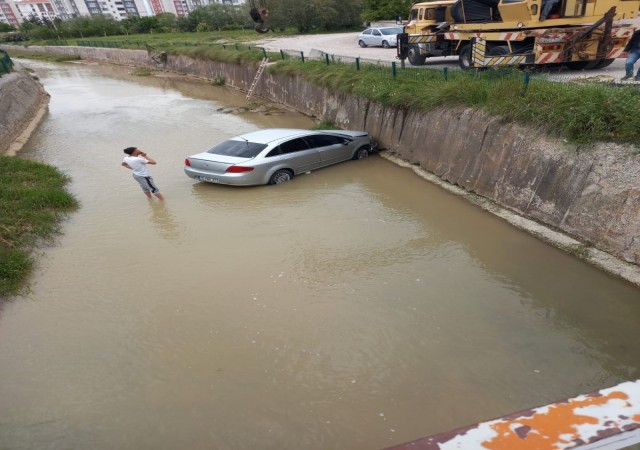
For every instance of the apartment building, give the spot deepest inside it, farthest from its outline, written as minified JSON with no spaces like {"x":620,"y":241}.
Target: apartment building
{"x":13,"y":12}
{"x":9,"y":13}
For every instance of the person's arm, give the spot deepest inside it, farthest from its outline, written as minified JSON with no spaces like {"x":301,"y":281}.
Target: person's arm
{"x":125,"y":165}
{"x":149,"y":160}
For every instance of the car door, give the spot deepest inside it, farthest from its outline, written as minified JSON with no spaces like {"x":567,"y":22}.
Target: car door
{"x":298,"y":156}
{"x":366,"y":36}
{"x":376,"y":38}
{"x":332,"y":149}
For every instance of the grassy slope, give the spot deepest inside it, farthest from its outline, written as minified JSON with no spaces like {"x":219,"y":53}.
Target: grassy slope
{"x":32,"y":202}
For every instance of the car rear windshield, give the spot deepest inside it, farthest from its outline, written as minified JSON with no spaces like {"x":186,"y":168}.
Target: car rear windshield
{"x":388,"y":31}
{"x":240,"y":149}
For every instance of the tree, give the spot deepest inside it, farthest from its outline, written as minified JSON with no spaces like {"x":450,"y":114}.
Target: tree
{"x":6,"y":27}
{"x":314,"y":14}
{"x":202,"y":27}
{"x":166,"y":22}
{"x":216,"y":16}
{"x":385,"y":9}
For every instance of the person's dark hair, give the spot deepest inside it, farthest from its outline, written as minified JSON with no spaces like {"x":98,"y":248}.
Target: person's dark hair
{"x":129,"y":150}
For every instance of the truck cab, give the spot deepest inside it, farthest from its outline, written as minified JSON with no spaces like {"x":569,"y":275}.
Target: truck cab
{"x":483,"y":33}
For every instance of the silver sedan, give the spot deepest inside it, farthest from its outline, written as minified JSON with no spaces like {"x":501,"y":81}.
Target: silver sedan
{"x":274,"y":156}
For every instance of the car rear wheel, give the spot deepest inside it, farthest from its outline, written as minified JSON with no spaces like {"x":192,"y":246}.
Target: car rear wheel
{"x":281,"y":176}
{"x":361,"y":43}
{"x":361,"y":153}
{"x":385,"y":44}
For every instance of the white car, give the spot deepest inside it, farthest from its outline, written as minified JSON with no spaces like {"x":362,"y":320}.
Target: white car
{"x":386,"y":37}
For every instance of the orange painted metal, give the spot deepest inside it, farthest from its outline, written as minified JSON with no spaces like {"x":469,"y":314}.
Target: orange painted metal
{"x":606,"y":419}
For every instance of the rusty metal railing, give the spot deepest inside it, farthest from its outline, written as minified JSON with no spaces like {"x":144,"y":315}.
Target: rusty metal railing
{"x":606,"y":419}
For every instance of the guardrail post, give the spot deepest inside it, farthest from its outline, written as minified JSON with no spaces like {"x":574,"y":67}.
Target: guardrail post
{"x":393,"y":69}
{"x":445,"y":71}
{"x":282,"y":55}
{"x":326,"y":58}
{"x":357,"y":63}
{"x":264,"y":52}
{"x":525,"y":83}
{"x":302,"y":56}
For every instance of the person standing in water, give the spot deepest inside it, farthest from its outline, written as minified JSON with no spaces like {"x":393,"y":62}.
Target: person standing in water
{"x":137,"y":161}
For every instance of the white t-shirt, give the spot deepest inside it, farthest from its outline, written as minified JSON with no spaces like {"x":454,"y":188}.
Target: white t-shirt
{"x":138,"y":164}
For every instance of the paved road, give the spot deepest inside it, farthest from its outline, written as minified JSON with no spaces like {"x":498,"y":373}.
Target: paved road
{"x":345,"y":44}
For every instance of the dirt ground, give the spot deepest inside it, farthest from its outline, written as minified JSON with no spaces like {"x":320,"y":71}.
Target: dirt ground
{"x":345,"y":44}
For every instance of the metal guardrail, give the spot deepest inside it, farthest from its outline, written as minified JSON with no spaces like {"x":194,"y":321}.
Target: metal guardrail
{"x":6,"y":65}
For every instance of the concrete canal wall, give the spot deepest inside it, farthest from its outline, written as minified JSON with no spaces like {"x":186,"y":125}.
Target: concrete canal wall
{"x":589,"y":192}
{"x":22,"y":104}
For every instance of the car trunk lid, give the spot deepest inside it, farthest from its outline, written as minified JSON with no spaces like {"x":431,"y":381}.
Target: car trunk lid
{"x":213,"y":163}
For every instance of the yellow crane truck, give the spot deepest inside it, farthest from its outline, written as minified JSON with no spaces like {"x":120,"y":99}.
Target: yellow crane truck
{"x":581,"y":34}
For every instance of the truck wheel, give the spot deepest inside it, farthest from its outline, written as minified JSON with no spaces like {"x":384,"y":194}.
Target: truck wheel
{"x":414,"y":56}
{"x":500,"y":50}
{"x":578,"y":65}
{"x":465,"y":57}
{"x":604,"y":63}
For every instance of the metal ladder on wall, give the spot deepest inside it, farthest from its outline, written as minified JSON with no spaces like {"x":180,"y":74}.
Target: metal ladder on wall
{"x":261,"y":67}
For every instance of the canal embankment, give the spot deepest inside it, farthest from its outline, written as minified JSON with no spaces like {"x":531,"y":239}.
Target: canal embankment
{"x":584,"y":198}
{"x":23,"y":102}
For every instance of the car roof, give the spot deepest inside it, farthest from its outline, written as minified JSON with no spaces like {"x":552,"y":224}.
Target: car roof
{"x":272,"y":134}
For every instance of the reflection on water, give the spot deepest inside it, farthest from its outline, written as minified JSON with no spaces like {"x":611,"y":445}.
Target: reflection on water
{"x":355,"y":307}
{"x":163,"y":220}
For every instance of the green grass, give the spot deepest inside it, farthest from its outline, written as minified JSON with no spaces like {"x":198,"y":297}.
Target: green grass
{"x":326,"y":125}
{"x":217,"y":53}
{"x":173,"y":39}
{"x":32,"y":203}
{"x":142,"y":72}
{"x":17,"y":53}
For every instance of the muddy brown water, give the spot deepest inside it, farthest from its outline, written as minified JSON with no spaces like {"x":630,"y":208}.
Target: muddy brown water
{"x":355,"y":307}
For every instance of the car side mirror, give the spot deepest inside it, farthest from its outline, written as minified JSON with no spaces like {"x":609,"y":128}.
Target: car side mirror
{"x":345,"y":142}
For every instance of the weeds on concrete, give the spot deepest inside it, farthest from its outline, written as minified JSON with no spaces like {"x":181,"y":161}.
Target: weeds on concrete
{"x":17,"y":53}
{"x":218,"y":53}
{"x":32,"y":201}
{"x":580,"y":251}
{"x":219,"y":81}
{"x":142,"y":72}
{"x":326,"y":125}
